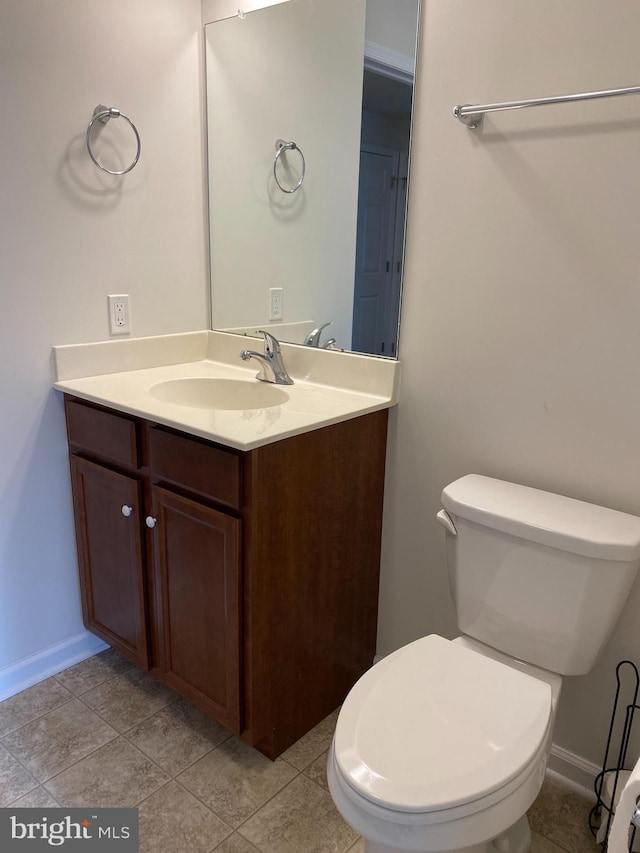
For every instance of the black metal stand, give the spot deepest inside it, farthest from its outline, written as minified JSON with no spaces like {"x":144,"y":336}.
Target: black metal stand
{"x":602,"y":808}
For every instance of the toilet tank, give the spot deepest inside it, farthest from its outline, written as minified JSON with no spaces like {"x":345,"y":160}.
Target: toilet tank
{"x":538,"y":576}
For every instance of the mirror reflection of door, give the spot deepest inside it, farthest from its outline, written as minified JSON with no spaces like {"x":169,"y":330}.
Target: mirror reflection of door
{"x":382,"y":194}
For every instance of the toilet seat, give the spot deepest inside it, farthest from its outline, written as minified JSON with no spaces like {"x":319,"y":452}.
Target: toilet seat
{"x":435,"y":726}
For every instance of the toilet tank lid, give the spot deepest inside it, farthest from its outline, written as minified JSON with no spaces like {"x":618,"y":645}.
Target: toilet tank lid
{"x":542,"y":517}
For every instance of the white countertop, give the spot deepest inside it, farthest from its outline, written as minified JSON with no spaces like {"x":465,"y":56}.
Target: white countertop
{"x":329,"y":387}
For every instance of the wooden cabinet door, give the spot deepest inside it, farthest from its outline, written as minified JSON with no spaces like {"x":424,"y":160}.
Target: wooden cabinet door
{"x":111,"y":557}
{"x":197,"y":566}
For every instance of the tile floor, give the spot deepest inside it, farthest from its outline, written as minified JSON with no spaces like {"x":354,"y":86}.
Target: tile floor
{"x":104,"y":733}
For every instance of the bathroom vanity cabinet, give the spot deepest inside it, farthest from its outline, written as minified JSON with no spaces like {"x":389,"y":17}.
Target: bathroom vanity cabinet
{"x":245,"y":580}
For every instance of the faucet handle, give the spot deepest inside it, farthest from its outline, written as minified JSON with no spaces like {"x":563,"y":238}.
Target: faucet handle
{"x":271,"y":343}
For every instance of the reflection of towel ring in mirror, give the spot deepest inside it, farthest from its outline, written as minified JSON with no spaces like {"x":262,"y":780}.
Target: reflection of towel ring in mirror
{"x":103,"y":114}
{"x":282,"y":146}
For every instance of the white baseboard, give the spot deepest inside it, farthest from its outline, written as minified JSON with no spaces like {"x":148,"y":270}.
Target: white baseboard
{"x":572,"y":771}
{"x":29,"y":671}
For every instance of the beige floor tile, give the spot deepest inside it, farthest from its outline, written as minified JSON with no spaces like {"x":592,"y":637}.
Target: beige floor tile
{"x":36,"y":799}
{"x":311,"y":745}
{"x":301,"y":817}
{"x":317,"y":770}
{"x":116,"y":775}
{"x":562,"y":816}
{"x":358,"y":847}
{"x":15,"y":781}
{"x":540,"y":844}
{"x":173,"y":821}
{"x":235,"y":780}
{"x":50,"y":744}
{"x":236,"y":844}
{"x":31,"y":704}
{"x":128,"y":699}
{"x":93,"y":671}
{"x":177,"y":736}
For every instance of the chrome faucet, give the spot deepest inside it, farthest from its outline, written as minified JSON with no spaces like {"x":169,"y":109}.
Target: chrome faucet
{"x":272,"y":367}
{"x":313,"y":338}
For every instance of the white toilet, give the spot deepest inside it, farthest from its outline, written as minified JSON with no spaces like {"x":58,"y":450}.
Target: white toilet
{"x":442,"y":746}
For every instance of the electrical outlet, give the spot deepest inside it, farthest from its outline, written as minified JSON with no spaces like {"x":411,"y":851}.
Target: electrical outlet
{"x":276,"y":303}
{"x":119,"y":320}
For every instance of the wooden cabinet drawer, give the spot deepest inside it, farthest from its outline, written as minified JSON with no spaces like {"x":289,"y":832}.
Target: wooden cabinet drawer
{"x":106,"y":434}
{"x":202,"y":468}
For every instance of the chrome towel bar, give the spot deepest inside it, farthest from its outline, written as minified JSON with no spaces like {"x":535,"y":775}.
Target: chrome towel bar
{"x":473,"y":115}
{"x":103,"y":114}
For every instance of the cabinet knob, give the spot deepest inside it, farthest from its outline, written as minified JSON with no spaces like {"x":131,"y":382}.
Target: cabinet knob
{"x":127,"y":510}
{"x":150,"y":521}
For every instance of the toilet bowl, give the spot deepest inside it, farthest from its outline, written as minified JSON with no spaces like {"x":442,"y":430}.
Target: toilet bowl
{"x":442,"y":746}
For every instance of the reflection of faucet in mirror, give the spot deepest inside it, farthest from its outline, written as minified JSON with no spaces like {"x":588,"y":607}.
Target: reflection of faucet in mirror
{"x":313,"y":338}
{"x":272,"y":367}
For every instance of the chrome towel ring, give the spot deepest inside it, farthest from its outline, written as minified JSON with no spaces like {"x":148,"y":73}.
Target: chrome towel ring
{"x":281,"y":147}
{"x":103,"y":114}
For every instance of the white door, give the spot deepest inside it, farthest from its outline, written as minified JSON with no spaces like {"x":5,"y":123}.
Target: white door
{"x":374,"y":274}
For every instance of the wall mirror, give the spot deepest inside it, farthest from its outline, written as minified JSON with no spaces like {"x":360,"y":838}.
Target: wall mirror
{"x":308,"y":122}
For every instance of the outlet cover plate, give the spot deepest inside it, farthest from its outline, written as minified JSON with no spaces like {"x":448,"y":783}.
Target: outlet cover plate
{"x":119,"y":318}
{"x":276,"y":303}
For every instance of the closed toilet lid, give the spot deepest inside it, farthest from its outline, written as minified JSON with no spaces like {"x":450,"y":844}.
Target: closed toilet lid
{"x":435,"y":725}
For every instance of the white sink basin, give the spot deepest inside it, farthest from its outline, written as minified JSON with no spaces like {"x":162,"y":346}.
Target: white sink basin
{"x":205,"y":392}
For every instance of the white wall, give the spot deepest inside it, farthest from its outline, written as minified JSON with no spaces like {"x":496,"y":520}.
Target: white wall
{"x":522,"y":300}
{"x":392,"y":23}
{"x":70,"y":235}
